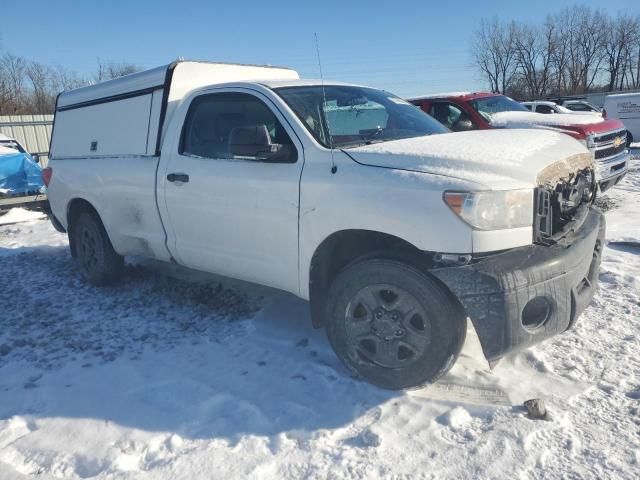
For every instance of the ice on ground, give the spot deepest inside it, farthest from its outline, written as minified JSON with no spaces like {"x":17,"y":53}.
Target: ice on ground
{"x":175,"y":374}
{"x":20,"y":215}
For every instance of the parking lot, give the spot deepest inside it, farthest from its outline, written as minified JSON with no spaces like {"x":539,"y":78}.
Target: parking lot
{"x":174,"y":371}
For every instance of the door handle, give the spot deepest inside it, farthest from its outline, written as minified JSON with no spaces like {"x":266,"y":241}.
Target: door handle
{"x":178,"y":177}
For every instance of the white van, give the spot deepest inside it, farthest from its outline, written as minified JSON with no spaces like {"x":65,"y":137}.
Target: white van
{"x":626,"y":108}
{"x":393,"y":228}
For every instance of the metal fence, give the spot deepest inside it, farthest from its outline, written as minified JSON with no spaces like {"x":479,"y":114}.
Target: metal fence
{"x":32,"y":131}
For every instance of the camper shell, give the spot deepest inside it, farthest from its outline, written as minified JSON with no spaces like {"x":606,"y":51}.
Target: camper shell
{"x":128,"y":116}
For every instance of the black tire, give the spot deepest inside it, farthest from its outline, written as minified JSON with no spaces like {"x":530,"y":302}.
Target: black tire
{"x":94,"y":254}
{"x":629,"y":139}
{"x":428,"y":342}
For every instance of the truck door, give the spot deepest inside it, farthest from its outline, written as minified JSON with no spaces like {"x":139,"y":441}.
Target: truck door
{"x":231,"y":189}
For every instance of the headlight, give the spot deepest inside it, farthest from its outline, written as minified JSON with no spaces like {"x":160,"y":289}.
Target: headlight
{"x":493,"y":210}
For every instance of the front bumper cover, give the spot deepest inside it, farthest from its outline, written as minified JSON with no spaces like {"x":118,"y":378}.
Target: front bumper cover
{"x":495,"y":290}
{"x":610,"y":171}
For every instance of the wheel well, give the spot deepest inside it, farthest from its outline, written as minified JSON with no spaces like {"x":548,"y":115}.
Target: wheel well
{"x":342,"y":248}
{"x":76,"y":207}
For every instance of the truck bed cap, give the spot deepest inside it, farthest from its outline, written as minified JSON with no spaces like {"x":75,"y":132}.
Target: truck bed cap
{"x":161,"y":77}
{"x":128,"y":115}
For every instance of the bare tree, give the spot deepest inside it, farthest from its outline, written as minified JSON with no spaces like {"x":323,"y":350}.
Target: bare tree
{"x":67,"y":80}
{"x":43,"y":87}
{"x":560,"y":55}
{"x":110,"y":70}
{"x":13,"y":70}
{"x":493,"y":53}
{"x":534,"y":49}
{"x":633,"y":60}
{"x":574,"y":51}
{"x":28,"y":87}
{"x":623,"y":34}
{"x":592,"y":35}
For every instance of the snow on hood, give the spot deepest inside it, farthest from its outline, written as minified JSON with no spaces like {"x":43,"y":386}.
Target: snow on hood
{"x":495,"y":159}
{"x":532,"y":119}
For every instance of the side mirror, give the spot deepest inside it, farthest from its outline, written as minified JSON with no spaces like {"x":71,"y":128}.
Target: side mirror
{"x":35,"y":157}
{"x":254,"y":142}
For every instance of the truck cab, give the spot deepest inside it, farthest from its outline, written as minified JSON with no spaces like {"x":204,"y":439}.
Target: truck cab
{"x":606,"y":139}
{"x":343,"y":195}
{"x":580,"y":106}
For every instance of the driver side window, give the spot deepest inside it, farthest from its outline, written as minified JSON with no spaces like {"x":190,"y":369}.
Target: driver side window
{"x":235,"y":126}
{"x":452,"y":116}
{"x":544,"y":109}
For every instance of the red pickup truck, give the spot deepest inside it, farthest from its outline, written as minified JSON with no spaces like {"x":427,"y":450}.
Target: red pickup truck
{"x":605,"y":138}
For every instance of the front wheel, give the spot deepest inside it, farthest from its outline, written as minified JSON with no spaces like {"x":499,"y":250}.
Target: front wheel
{"x":94,"y":254}
{"x":392,"y":324}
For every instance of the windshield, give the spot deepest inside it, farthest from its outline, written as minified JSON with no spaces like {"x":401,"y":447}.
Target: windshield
{"x":11,"y":144}
{"x":345,"y":116}
{"x":582,"y":107}
{"x":486,"y":106}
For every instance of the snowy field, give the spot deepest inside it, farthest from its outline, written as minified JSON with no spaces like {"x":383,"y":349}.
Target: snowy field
{"x":179,"y":375}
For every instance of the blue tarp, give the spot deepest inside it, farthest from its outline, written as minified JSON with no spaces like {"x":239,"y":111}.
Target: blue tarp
{"x":19,"y":175}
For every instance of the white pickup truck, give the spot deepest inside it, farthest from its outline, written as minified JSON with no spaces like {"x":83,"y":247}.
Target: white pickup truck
{"x":394,"y":230}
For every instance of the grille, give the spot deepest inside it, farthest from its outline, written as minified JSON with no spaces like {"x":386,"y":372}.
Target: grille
{"x":610,"y":151}
{"x":610,"y":137}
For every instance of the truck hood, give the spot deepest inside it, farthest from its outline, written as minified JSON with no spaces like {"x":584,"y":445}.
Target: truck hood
{"x":494,"y":159}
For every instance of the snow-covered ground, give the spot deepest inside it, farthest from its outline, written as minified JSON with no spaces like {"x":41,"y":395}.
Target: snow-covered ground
{"x":175,"y":374}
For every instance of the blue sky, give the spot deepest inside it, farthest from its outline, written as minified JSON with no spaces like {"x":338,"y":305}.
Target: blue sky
{"x":405,"y":47}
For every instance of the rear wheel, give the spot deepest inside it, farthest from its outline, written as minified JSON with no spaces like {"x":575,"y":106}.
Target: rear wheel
{"x":392,"y":324}
{"x":94,"y":254}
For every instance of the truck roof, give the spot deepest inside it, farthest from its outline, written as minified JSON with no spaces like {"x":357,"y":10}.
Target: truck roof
{"x":303,"y":83}
{"x":541,"y":102}
{"x":460,"y":95}
{"x":622,"y":95}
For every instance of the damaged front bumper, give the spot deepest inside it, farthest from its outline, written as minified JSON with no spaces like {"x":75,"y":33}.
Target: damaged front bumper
{"x":522,"y":296}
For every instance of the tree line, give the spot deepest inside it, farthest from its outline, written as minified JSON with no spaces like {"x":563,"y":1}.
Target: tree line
{"x":28,"y":87}
{"x":575,"y":51}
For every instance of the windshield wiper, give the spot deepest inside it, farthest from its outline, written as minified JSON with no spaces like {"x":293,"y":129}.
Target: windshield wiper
{"x":361,"y":143}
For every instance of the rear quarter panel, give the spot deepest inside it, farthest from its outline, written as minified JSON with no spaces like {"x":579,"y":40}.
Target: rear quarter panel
{"x":123,"y":192}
